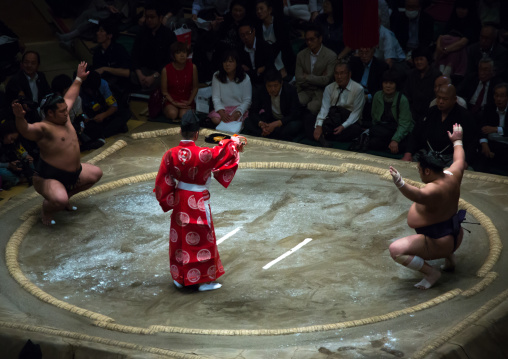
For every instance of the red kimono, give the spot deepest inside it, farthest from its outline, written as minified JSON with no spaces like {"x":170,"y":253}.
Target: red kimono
{"x":193,"y":254}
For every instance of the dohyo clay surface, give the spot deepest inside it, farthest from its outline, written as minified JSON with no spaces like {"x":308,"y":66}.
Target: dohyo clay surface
{"x":303,"y":234}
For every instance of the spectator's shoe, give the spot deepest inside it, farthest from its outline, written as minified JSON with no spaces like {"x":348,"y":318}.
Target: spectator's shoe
{"x":324,"y":142}
{"x":365,"y":144}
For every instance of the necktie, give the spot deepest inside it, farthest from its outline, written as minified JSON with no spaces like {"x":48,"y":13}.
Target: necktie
{"x":478,"y":104}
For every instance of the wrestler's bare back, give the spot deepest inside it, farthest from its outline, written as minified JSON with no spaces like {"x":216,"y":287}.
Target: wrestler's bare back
{"x":444,"y":204}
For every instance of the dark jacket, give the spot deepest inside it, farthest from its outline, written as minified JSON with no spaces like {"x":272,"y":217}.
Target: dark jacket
{"x":491,"y":118}
{"x":377,"y":68}
{"x":19,"y":83}
{"x":499,"y":55}
{"x":420,"y":91}
{"x":289,"y":104}
{"x":262,"y":57}
{"x":399,"y":24}
{"x":432,"y":130}
{"x":152,"y":51}
{"x":283,"y":43}
{"x":468,"y":87}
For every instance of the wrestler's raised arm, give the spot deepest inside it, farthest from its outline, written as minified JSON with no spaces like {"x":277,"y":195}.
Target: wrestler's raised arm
{"x":73,"y":91}
{"x":459,"y":156}
{"x":33,"y":132}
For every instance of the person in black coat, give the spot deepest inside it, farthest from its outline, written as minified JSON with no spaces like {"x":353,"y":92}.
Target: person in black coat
{"x":274,"y":30}
{"x":275,"y":110}
{"x":472,"y":86}
{"x":493,"y":131}
{"x":256,"y":56}
{"x":367,"y":63}
{"x":28,"y":85}
{"x":413,"y":14}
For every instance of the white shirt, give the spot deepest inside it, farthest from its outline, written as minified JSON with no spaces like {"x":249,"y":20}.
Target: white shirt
{"x":252,"y":53}
{"x":499,"y":136}
{"x":313,"y":58}
{"x":231,"y":94}
{"x":388,"y":47}
{"x":33,"y":87}
{"x":477,"y":93}
{"x":352,"y":98}
{"x":276,"y":111}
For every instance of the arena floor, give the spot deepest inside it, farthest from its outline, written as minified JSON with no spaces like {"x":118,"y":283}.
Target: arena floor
{"x":303,"y":235}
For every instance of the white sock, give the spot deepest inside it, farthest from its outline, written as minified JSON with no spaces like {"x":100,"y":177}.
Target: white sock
{"x":209,"y":286}
{"x":178,"y":285}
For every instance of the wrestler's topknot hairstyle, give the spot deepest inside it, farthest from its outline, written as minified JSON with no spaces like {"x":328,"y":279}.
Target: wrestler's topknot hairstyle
{"x":189,"y":125}
{"x":432,"y":160}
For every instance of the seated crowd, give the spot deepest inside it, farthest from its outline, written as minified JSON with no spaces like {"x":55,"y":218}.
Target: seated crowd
{"x":281,"y":70}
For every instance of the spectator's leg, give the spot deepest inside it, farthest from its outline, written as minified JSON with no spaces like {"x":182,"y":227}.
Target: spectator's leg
{"x":315,"y":104}
{"x":170,"y":112}
{"x":289,"y":131}
{"x":309,"y":122}
{"x":9,"y":179}
{"x":251,"y":127}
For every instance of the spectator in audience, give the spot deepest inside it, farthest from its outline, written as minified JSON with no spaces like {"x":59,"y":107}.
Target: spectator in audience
{"x":303,"y":10}
{"x":389,"y":50}
{"x":256,"y":55}
{"x":343,"y":93}
{"x":275,"y":110}
{"x":384,"y":13}
{"x":431,"y":133}
{"x":419,"y":88}
{"x":173,"y":13}
{"x":231,"y":94}
{"x":151,"y":51}
{"x":391,"y":118}
{"x":330,"y":23}
{"x":488,"y":47}
{"x":478,"y":88}
{"x":314,"y":70}
{"x":112,"y":61}
{"x":12,"y":169}
{"x":121,"y":10}
{"x":445,"y":81}
{"x":209,"y":9}
{"x":274,"y":30}
{"x":179,"y":84}
{"x":10,"y":48}
{"x":105,"y":117}
{"x":493,"y":11}
{"x":29,"y":85}
{"x":414,"y":28}
{"x":463,"y":28}
{"x":367,"y":70}
{"x":494,"y":132}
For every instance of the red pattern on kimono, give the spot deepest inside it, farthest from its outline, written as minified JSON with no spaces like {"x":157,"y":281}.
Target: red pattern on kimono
{"x":193,"y":254}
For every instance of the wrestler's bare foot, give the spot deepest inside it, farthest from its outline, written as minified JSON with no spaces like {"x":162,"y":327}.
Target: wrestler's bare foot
{"x":47,"y":219}
{"x":209,"y":286}
{"x":449,"y":265}
{"x":429,"y":279}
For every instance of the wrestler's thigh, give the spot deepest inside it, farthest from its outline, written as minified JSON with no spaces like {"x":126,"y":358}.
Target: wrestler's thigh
{"x":440,"y":247}
{"x":50,"y":189}
{"x":411,"y":245}
{"x":90,"y":174}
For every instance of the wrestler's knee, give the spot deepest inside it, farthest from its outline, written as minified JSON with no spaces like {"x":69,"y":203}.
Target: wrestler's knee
{"x":96,"y":174}
{"x":395,"y":250}
{"x":58,"y":200}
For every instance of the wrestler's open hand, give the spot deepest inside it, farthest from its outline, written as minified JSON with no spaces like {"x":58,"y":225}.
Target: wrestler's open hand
{"x":82,"y":73}
{"x":18,"y":110}
{"x":397,"y":178}
{"x":457,"y":133}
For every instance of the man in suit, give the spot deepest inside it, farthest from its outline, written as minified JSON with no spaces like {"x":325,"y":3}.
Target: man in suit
{"x":275,"y":110}
{"x":30,"y":84}
{"x":494,"y":132}
{"x":413,"y":28}
{"x":478,"y":88}
{"x":314,"y":70}
{"x":367,"y":70}
{"x":256,"y":56}
{"x":488,"y":46}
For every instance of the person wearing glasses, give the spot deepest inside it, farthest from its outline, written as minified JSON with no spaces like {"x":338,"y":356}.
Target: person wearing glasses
{"x":314,"y":70}
{"x":59,"y":173}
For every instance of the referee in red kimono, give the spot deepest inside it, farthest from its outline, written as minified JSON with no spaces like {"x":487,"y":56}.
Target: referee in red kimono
{"x":182,"y":185}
